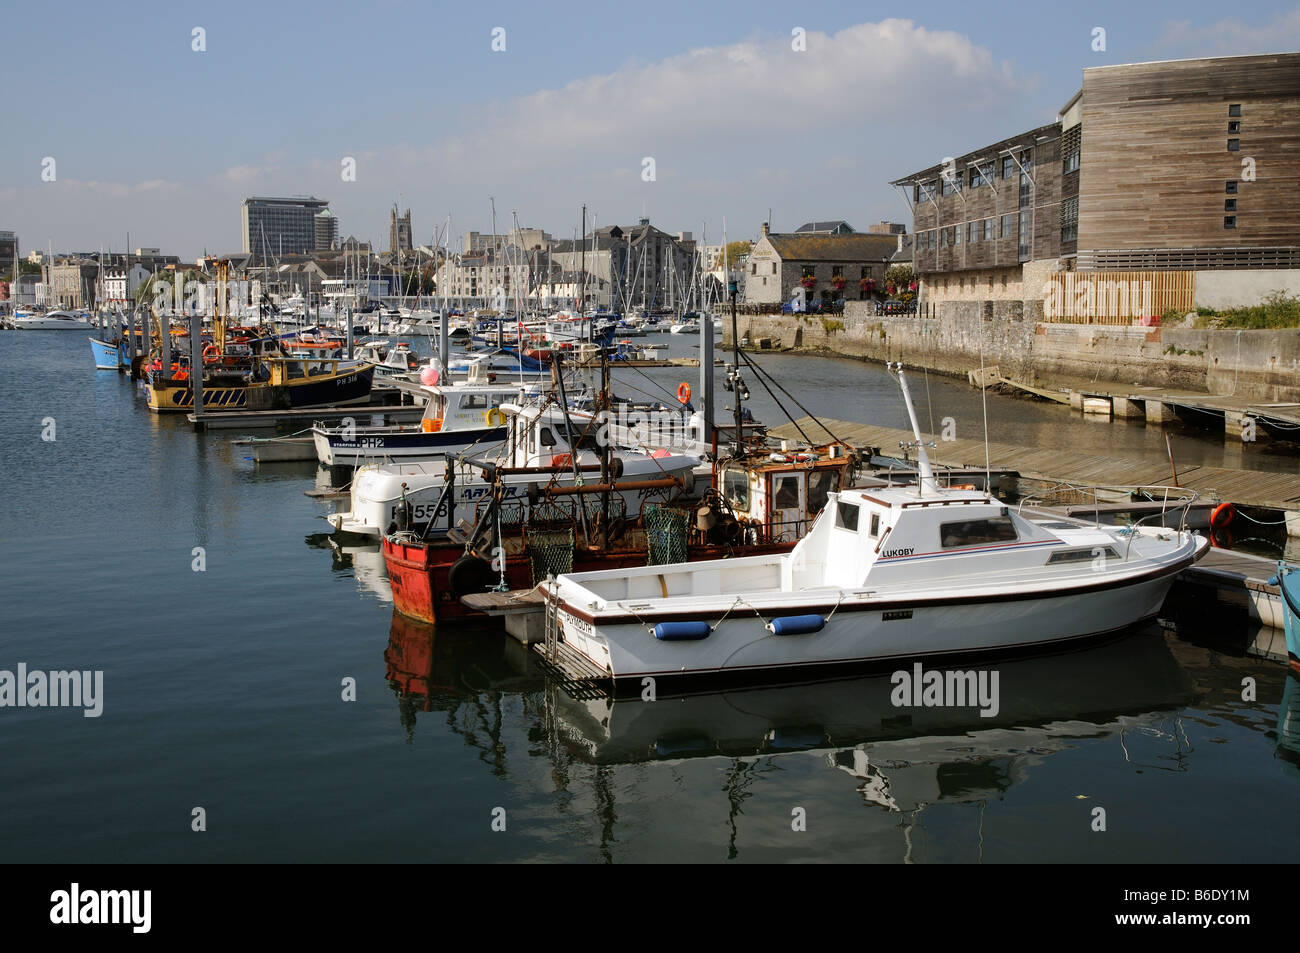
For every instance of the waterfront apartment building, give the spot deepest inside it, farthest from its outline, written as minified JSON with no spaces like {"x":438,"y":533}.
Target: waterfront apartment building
{"x":643,"y":267}
{"x":279,"y":226}
{"x":1183,"y":171}
{"x":495,"y":276}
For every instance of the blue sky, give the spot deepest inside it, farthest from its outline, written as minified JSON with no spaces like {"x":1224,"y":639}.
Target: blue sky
{"x":152,"y":138}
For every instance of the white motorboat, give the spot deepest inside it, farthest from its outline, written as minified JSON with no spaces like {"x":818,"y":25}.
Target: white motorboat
{"x":885,"y":573}
{"x":458,"y":416}
{"x":388,"y":357}
{"x":541,"y":447}
{"x":52,"y":321}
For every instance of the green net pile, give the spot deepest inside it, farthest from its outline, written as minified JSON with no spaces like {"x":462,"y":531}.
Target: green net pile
{"x":665,"y":534}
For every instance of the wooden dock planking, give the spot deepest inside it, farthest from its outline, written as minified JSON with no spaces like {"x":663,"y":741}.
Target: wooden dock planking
{"x":1245,"y":487}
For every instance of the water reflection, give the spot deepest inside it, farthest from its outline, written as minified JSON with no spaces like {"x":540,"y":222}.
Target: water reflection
{"x":365,"y":561}
{"x":1137,"y":692}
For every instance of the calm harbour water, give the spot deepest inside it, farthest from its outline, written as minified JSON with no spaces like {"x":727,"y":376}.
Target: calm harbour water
{"x":222,"y":688}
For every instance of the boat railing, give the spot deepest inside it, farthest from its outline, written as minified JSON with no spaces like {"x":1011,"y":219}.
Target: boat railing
{"x":1172,"y":500}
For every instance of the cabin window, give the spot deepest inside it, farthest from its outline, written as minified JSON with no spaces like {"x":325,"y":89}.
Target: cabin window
{"x":474,"y":402}
{"x":1082,"y":555}
{"x":735,"y":487}
{"x":846,"y":515}
{"x":786,"y":496}
{"x":977,"y":532}
{"x":821,"y":484}
{"x":548,"y":438}
{"x":875,"y":524}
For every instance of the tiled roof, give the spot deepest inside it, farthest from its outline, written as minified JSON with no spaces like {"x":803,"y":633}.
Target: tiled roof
{"x":855,"y":247}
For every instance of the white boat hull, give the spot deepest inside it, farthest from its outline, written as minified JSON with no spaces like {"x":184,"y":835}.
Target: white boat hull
{"x":865,"y":632}
{"x":376,"y":493}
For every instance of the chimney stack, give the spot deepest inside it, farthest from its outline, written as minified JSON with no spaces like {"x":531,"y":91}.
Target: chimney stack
{"x":766,"y":227}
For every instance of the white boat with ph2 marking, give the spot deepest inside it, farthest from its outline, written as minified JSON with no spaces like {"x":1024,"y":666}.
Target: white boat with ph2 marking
{"x":885,"y":573}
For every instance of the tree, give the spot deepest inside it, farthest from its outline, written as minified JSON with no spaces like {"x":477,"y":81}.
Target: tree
{"x":737,"y":251}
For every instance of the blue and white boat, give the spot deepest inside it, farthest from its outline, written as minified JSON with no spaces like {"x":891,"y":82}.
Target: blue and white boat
{"x":1288,"y":582}
{"x":108,"y":357}
{"x":459,"y":416}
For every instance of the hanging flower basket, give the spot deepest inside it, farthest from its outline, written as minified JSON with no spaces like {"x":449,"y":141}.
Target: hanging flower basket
{"x":809,"y":282}
{"x":838,"y":282}
{"x":867,"y":284}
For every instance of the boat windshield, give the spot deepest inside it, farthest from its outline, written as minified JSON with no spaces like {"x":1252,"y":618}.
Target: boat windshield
{"x":735,"y":489}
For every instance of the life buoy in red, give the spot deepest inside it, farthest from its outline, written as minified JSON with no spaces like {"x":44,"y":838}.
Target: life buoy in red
{"x":684,"y":392}
{"x":211,"y":353}
{"x":1221,"y":538}
{"x":561,"y":460}
{"x":1222,"y":515}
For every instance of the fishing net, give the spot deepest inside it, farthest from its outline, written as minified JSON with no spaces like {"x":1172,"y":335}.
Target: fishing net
{"x":550,"y":552}
{"x":665,"y":533}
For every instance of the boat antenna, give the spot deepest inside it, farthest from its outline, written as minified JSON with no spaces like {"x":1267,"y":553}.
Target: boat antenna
{"x":926,"y":483}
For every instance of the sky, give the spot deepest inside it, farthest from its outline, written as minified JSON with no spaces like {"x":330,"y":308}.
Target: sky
{"x":807,"y":109}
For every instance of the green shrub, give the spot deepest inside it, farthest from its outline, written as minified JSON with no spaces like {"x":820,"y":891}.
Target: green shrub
{"x":1278,"y":310}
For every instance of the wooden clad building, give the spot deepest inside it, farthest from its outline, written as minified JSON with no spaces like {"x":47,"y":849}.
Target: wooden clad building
{"x":1186,"y":164}
{"x":1191,"y":164}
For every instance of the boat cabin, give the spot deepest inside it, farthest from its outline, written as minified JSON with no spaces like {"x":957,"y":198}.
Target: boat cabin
{"x":895,"y":533}
{"x":465,"y":405}
{"x":778,"y":496}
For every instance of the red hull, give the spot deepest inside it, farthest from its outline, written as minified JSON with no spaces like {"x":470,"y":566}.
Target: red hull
{"x":420,"y":574}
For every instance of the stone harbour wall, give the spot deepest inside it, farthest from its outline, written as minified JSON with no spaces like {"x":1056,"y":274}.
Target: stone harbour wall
{"x":1258,"y":365}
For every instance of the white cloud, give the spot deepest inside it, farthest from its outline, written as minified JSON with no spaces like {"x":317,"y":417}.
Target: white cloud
{"x":734,"y":129}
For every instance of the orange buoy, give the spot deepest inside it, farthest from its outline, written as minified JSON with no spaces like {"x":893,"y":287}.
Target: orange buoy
{"x":1222,"y":515}
{"x":211,"y":353}
{"x":684,"y":392}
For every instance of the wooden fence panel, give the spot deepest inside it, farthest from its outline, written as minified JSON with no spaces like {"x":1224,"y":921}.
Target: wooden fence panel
{"x":1116,"y":297}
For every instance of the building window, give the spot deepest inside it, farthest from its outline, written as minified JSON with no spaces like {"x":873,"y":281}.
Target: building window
{"x":1008,"y":167}
{"x":988,"y":229}
{"x":808,"y":271}
{"x":1229,"y":221}
{"x":1008,"y":226}
{"x":1234,"y":109}
{"x":1230,"y":205}
{"x":1070,"y":220}
{"x":949,"y":185}
{"x":1070,"y":148}
{"x":972,"y":231}
{"x":1230,"y":187}
{"x":976,"y":177}
{"x":837,"y":271}
{"x":1234,"y":126}
{"x":753,"y":269}
{"x":774,"y":268}
{"x":956,"y":234}
{"x":1023,"y":245}
{"x":1234,"y":145}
